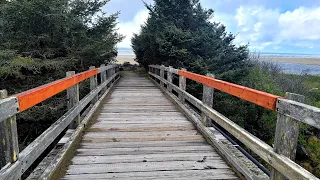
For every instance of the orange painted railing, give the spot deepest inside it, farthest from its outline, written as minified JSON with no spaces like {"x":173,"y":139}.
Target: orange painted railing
{"x":260,"y":98}
{"x":34,"y":96}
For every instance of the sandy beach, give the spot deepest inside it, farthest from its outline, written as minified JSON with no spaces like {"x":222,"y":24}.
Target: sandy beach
{"x":294,"y":60}
{"x":126,"y":58}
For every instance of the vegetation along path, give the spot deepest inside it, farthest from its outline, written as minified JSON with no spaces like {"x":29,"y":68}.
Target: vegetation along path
{"x":140,"y":134}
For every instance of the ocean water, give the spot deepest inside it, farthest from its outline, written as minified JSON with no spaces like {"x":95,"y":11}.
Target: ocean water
{"x":292,"y":68}
{"x":289,"y":68}
{"x":125,"y":51}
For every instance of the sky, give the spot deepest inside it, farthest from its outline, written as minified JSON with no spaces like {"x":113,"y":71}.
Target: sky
{"x":273,"y":26}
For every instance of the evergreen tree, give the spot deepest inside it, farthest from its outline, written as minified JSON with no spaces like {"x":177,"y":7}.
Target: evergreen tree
{"x":42,"y":39}
{"x":180,"y":33}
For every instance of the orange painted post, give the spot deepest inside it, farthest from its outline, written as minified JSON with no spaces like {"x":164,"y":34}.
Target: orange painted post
{"x":93,"y":85}
{"x":260,"y":98}
{"x":73,"y":99}
{"x":34,"y":96}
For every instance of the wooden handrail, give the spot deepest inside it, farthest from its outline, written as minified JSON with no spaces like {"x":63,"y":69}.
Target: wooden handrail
{"x":260,"y":98}
{"x":287,"y":109}
{"x":22,"y":101}
{"x":34,"y":96}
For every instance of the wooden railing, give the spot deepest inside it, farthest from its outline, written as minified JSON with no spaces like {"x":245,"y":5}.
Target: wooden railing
{"x":18,"y":162}
{"x":291,"y":111}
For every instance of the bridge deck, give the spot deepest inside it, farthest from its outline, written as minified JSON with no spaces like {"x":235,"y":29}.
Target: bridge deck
{"x":140,"y":134}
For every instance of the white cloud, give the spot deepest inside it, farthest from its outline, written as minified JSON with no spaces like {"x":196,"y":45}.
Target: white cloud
{"x":263,"y":27}
{"x":302,"y":23}
{"x":128,"y":28}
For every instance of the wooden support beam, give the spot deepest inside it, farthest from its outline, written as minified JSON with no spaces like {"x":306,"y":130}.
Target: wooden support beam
{"x":9,"y":147}
{"x":109,"y":74}
{"x":93,"y":85}
{"x":103,"y":77}
{"x":72,"y":100}
{"x":182,"y":85}
{"x":207,"y":98}
{"x":286,"y":137}
{"x":161,"y":74}
{"x":169,"y":79}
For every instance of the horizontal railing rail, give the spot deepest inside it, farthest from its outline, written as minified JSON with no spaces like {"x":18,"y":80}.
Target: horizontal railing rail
{"x":25,"y":100}
{"x":290,"y":112}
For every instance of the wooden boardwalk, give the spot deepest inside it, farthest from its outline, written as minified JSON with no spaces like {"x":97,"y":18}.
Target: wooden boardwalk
{"x":140,"y":134}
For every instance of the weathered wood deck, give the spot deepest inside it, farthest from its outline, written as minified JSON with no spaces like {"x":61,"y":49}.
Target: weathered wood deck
{"x":140,"y":134}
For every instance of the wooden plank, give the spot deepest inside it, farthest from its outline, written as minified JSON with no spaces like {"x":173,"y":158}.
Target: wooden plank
{"x":300,"y":112}
{"x":112,"y":134}
{"x":143,"y":150}
{"x":164,"y":157}
{"x":142,"y":144}
{"x":183,"y":174}
{"x":144,"y":167}
{"x":142,"y":138}
{"x":141,"y":129}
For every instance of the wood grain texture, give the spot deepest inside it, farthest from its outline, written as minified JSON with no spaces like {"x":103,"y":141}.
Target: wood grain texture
{"x":283,"y":164}
{"x":207,"y":99}
{"x":72,"y":100}
{"x":9,"y":147}
{"x":140,"y":134}
{"x":286,"y":137}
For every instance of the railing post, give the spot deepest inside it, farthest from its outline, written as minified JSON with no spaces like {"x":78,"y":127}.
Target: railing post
{"x":103,"y":77}
{"x":73,"y":99}
{"x":207,"y":98}
{"x":109,"y":74}
{"x":93,"y":85}
{"x":9,"y":147}
{"x":161,"y":74}
{"x":182,"y":85}
{"x":169,"y":78}
{"x":286,"y":137}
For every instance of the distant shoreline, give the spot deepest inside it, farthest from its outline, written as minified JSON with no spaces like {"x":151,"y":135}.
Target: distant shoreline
{"x":293,"y":60}
{"x":121,"y":58}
